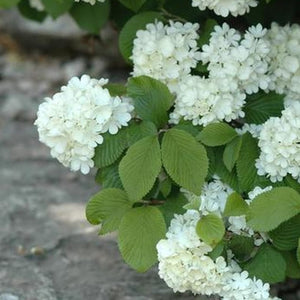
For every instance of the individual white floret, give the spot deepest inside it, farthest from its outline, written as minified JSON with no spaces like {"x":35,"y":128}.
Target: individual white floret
{"x":165,"y":52}
{"x":253,"y":129}
{"x":226,"y":7}
{"x":279,"y":143}
{"x":71,"y":123}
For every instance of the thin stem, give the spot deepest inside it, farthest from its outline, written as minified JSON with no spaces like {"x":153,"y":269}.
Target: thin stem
{"x":174,"y":17}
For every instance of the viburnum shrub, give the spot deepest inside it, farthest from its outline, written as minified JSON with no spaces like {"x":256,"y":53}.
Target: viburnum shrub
{"x":198,"y":154}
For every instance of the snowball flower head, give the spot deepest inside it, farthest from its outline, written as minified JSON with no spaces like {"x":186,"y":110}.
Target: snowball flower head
{"x":71,"y":123}
{"x":279,"y":143}
{"x":242,"y":60}
{"x":226,"y":7}
{"x":165,"y":52}
{"x":204,"y":101}
{"x":284,"y":67}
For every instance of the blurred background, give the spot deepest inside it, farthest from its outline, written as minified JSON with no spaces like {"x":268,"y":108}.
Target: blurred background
{"x":48,"y":251}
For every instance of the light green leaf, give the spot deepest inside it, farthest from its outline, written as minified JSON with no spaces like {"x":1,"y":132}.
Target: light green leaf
{"x":260,"y":107}
{"x":241,"y":246}
{"x":109,"y":177}
{"x":232,"y":152}
{"x":245,"y":165}
{"x":267,"y":265}
{"x":116,"y":89}
{"x":108,"y":207}
{"x":216,"y":134}
{"x":184,"y":159}
{"x":285,"y":236}
{"x":210,"y":229}
{"x":134,"y":5}
{"x":140,"y":230}
{"x":111,"y":149}
{"x":128,"y":32}
{"x":152,"y":99}
{"x":235,"y":205}
{"x":8,"y":3}
{"x":140,"y":166}
{"x":269,"y":209}
{"x":57,"y":7}
{"x":90,"y":17}
{"x":138,"y":130}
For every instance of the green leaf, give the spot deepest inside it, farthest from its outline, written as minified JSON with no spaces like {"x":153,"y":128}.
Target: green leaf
{"x":260,"y":107}
{"x":293,"y":183}
{"x":235,"y":205}
{"x":140,"y":166}
{"x":245,"y":165}
{"x":184,"y":159}
{"x":55,"y":8}
{"x":174,"y":205}
{"x":268,"y":265}
{"x":212,"y":162}
{"x":109,"y":177}
{"x":232,"y":152}
{"x":298,"y":252}
{"x":108,"y":207}
{"x":27,"y":11}
{"x":8,"y":3}
{"x":285,"y":236}
{"x":210,"y":229}
{"x":138,"y":130}
{"x":116,"y":89}
{"x":140,"y":230}
{"x":206,"y":31}
{"x":217,"y":251}
{"x":292,"y":266}
{"x":241,"y":246}
{"x":165,"y":187}
{"x":188,"y":127}
{"x":90,"y":17}
{"x":269,"y":209}
{"x":134,"y":5}
{"x":152,"y":99}
{"x":216,"y":134}
{"x":128,"y":32}
{"x":111,"y":149}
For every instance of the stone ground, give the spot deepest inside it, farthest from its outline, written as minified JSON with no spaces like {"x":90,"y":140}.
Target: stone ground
{"x":48,"y":251}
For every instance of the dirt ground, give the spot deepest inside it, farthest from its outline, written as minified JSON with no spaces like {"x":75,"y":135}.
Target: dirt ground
{"x":48,"y":251}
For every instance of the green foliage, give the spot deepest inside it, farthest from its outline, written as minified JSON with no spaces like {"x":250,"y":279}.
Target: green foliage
{"x":260,"y":107}
{"x":245,"y":165}
{"x":90,"y":17}
{"x":116,"y":89}
{"x":107,"y":207}
{"x":8,"y":3}
{"x":292,"y":266}
{"x":109,"y":177}
{"x":232,"y":152}
{"x":267,"y":265}
{"x":298,"y":252}
{"x":210,"y":228}
{"x":140,"y":230}
{"x":56,"y":8}
{"x":241,"y":246}
{"x":128,"y":32}
{"x":285,"y":236}
{"x":152,"y":99}
{"x":27,"y":11}
{"x":140,"y":166}
{"x":216,"y":134}
{"x":184,"y":159}
{"x":206,"y":32}
{"x":217,"y":251}
{"x":134,"y":5}
{"x":111,"y":149}
{"x":235,"y":205}
{"x":269,"y":209}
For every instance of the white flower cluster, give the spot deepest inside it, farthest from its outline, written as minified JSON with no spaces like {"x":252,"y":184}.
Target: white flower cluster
{"x":238,"y":224}
{"x":212,"y":199}
{"x":279,"y":143}
{"x":242,"y":61}
{"x":38,"y":5}
{"x":185,"y":265}
{"x":226,"y":7}
{"x":165,"y":52}
{"x":284,"y":67}
{"x":71,"y":123}
{"x":253,"y":129}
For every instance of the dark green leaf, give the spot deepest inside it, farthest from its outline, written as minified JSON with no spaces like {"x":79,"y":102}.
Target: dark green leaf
{"x":241,"y":246}
{"x":27,"y":11}
{"x":232,"y":152}
{"x":57,"y":7}
{"x":109,"y":177}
